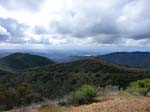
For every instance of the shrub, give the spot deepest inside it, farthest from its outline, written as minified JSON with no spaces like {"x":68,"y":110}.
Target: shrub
{"x":141,"y":86}
{"x":82,"y":96}
{"x":22,"y":95}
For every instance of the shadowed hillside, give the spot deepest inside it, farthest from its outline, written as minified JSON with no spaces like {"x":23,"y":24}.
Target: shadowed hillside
{"x":131,"y":59}
{"x":20,"y":61}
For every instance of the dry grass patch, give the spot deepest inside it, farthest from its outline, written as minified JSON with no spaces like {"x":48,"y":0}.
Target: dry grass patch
{"x":118,"y":104}
{"x":51,"y":108}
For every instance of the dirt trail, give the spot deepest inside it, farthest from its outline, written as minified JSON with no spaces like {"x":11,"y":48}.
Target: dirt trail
{"x":119,"y":104}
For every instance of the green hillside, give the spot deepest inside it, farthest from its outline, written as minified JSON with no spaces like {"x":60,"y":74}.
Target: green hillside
{"x":58,"y":80}
{"x":20,"y":61}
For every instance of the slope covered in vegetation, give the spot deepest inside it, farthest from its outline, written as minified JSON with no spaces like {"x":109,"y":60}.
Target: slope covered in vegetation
{"x":57,"y":80}
{"x":20,"y":61}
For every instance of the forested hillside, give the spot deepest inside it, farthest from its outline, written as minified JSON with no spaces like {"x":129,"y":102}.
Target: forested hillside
{"x":20,"y":61}
{"x":58,"y":80}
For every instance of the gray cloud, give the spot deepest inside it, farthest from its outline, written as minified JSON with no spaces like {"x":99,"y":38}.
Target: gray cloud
{"x":13,"y":30}
{"x":90,"y":28}
{"x":127,"y":18}
{"x":40,"y":30}
{"x":31,"y":5}
{"x":140,"y":30}
{"x":108,"y":39}
{"x":4,"y":35}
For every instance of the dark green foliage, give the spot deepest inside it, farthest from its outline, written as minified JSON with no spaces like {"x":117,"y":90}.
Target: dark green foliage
{"x":12,"y":97}
{"x":84,"y":95}
{"x":141,"y":86}
{"x":20,"y":61}
{"x":57,"y":80}
{"x":131,"y":59}
{"x":5,"y":76}
{"x":24,"y":94}
{"x":6,"y":98}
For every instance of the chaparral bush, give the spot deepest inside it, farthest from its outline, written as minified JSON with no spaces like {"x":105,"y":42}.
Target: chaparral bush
{"x":83,"y":95}
{"x":141,"y":87}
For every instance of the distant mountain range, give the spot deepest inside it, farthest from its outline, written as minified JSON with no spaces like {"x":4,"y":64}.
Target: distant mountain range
{"x":130,"y":59}
{"x":20,"y":61}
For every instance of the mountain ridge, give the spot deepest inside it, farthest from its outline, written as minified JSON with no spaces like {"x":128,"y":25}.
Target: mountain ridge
{"x":20,"y":61}
{"x":131,"y":59}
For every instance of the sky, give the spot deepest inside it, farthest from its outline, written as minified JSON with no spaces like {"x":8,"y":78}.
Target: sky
{"x":75,"y":24}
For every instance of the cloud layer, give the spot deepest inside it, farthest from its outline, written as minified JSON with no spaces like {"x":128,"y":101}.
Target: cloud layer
{"x":119,"y":22}
{"x":11,"y":31}
{"x":30,"y":5}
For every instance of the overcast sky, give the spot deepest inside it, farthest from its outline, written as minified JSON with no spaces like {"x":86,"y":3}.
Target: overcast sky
{"x":74,"y":23}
